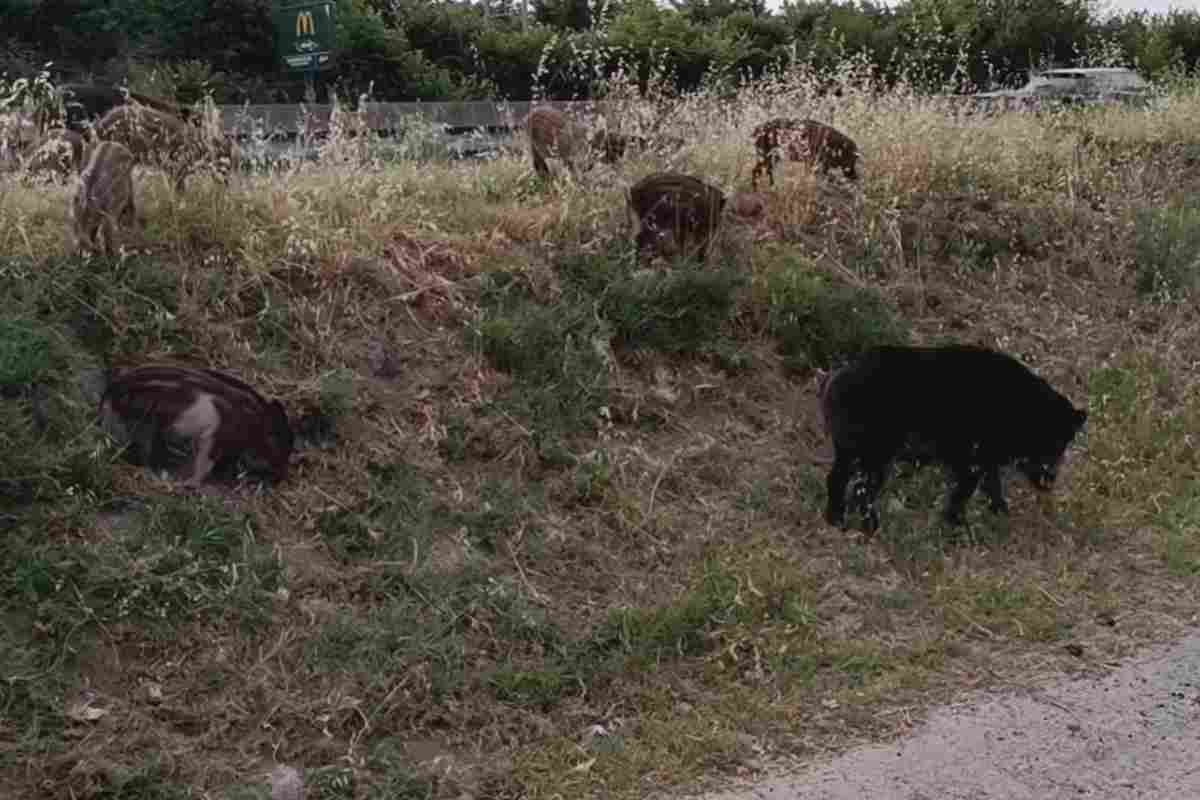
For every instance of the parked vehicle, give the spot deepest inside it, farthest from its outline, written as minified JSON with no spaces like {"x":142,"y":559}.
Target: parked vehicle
{"x":1068,"y":86}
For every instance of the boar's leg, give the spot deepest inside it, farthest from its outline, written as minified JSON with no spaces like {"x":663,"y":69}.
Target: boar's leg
{"x":204,"y":461}
{"x":109,"y":223}
{"x":200,"y":421}
{"x":758,"y":168}
{"x":128,"y":214}
{"x":965,"y":478}
{"x":835,"y":486}
{"x":994,"y":489}
{"x":539,"y":163}
{"x":767,"y":145}
{"x":868,"y":495}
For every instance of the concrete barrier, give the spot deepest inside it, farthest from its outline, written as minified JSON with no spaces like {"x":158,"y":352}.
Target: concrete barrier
{"x":287,"y":119}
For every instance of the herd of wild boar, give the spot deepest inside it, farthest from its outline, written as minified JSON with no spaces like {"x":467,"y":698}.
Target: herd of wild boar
{"x":971,"y":409}
{"x":105,"y":134}
{"x":670,"y":208}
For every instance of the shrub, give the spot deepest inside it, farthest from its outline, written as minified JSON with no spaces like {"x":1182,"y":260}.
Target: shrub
{"x":1168,"y":250}
{"x":557,"y":356}
{"x":678,"y":312}
{"x":819,"y":323}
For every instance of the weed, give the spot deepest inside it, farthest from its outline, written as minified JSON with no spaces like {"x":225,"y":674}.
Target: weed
{"x":677,"y":312}
{"x":330,"y":783}
{"x":336,"y":397}
{"x":1167,"y":240}
{"x":677,"y":630}
{"x":398,"y":781}
{"x":162,"y":566}
{"x":499,"y":512}
{"x":27,"y":354}
{"x":1180,"y":521}
{"x":557,"y":355}
{"x":593,"y":479}
{"x":540,"y":689}
{"x":819,"y":323}
{"x":395,"y":519}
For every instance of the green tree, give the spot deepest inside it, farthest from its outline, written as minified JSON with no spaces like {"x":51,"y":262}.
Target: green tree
{"x":575,"y":15}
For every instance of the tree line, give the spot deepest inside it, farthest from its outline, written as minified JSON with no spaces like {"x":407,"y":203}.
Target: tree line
{"x":397,"y":50}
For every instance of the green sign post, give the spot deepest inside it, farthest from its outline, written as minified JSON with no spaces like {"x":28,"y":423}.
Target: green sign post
{"x":305,"y":35}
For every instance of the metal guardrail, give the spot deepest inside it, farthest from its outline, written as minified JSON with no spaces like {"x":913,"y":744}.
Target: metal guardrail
{"x":290,"y":119}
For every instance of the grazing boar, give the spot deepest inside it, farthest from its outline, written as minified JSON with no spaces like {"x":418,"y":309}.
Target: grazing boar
{"x":164,"y":141}
{"x":59,"y":152}
{"x":105,"y":196}
{"x":611,"y":146}
{"x":679,"y":208}
{"x":222,"y":416}
{"x":807,"y":141}
{"x":748,"y":206}
{"x":552,"y":134}
{"x":971,"y":409}
{"x":85,"y":103}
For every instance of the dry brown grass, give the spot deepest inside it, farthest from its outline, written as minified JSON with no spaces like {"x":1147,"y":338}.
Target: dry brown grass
{"x":600,"y":571}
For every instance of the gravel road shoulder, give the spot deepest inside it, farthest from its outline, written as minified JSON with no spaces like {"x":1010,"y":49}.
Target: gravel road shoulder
{"x":1134,"y":733}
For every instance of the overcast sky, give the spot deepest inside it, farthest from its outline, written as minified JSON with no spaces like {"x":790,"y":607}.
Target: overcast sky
{"x":1119,"y":6}
{"x":1153,"y":6}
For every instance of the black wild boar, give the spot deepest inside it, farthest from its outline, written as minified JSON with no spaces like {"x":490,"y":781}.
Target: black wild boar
{"x":807,"y":141}
{"x":677,"y":208}
{"x":221,"y":415}
{"x":552,"y":134}
{"x":161,"y":140}
{"x":971,"y":409}
{"x":104,"y":199}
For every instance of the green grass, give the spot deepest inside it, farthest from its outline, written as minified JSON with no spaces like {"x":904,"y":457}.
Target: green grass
{"x":569,"y":541}
{"x":819,"y":323}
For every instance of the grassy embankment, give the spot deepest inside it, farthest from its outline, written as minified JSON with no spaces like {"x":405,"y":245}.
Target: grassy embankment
{"x":554,"y":527}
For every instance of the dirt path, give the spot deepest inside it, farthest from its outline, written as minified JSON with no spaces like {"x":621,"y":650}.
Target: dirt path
{"x":1134,"y":733}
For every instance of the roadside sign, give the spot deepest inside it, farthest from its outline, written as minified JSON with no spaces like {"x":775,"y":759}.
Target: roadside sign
{"x":305,"y":35}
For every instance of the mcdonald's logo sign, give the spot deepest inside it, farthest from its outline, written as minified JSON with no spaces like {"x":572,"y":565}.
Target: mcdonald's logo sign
{"x":304,"y":24}
{"x":300,"y":42}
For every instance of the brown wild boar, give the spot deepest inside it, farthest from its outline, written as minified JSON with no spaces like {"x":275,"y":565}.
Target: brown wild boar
{"x":60,"y":152}
{"x":222,"y":416}
{"x":164,"y":141}
{"x":806,"y":140}
{"x":683,"y":209}
{"x":552,"y":134}
{"x":611,"y":146}
{"x":105,"y":196}
{"x":85,"y":103}
{"x":748,"y":206}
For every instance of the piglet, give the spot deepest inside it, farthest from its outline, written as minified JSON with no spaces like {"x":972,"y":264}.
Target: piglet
{"x":223,"y":416}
